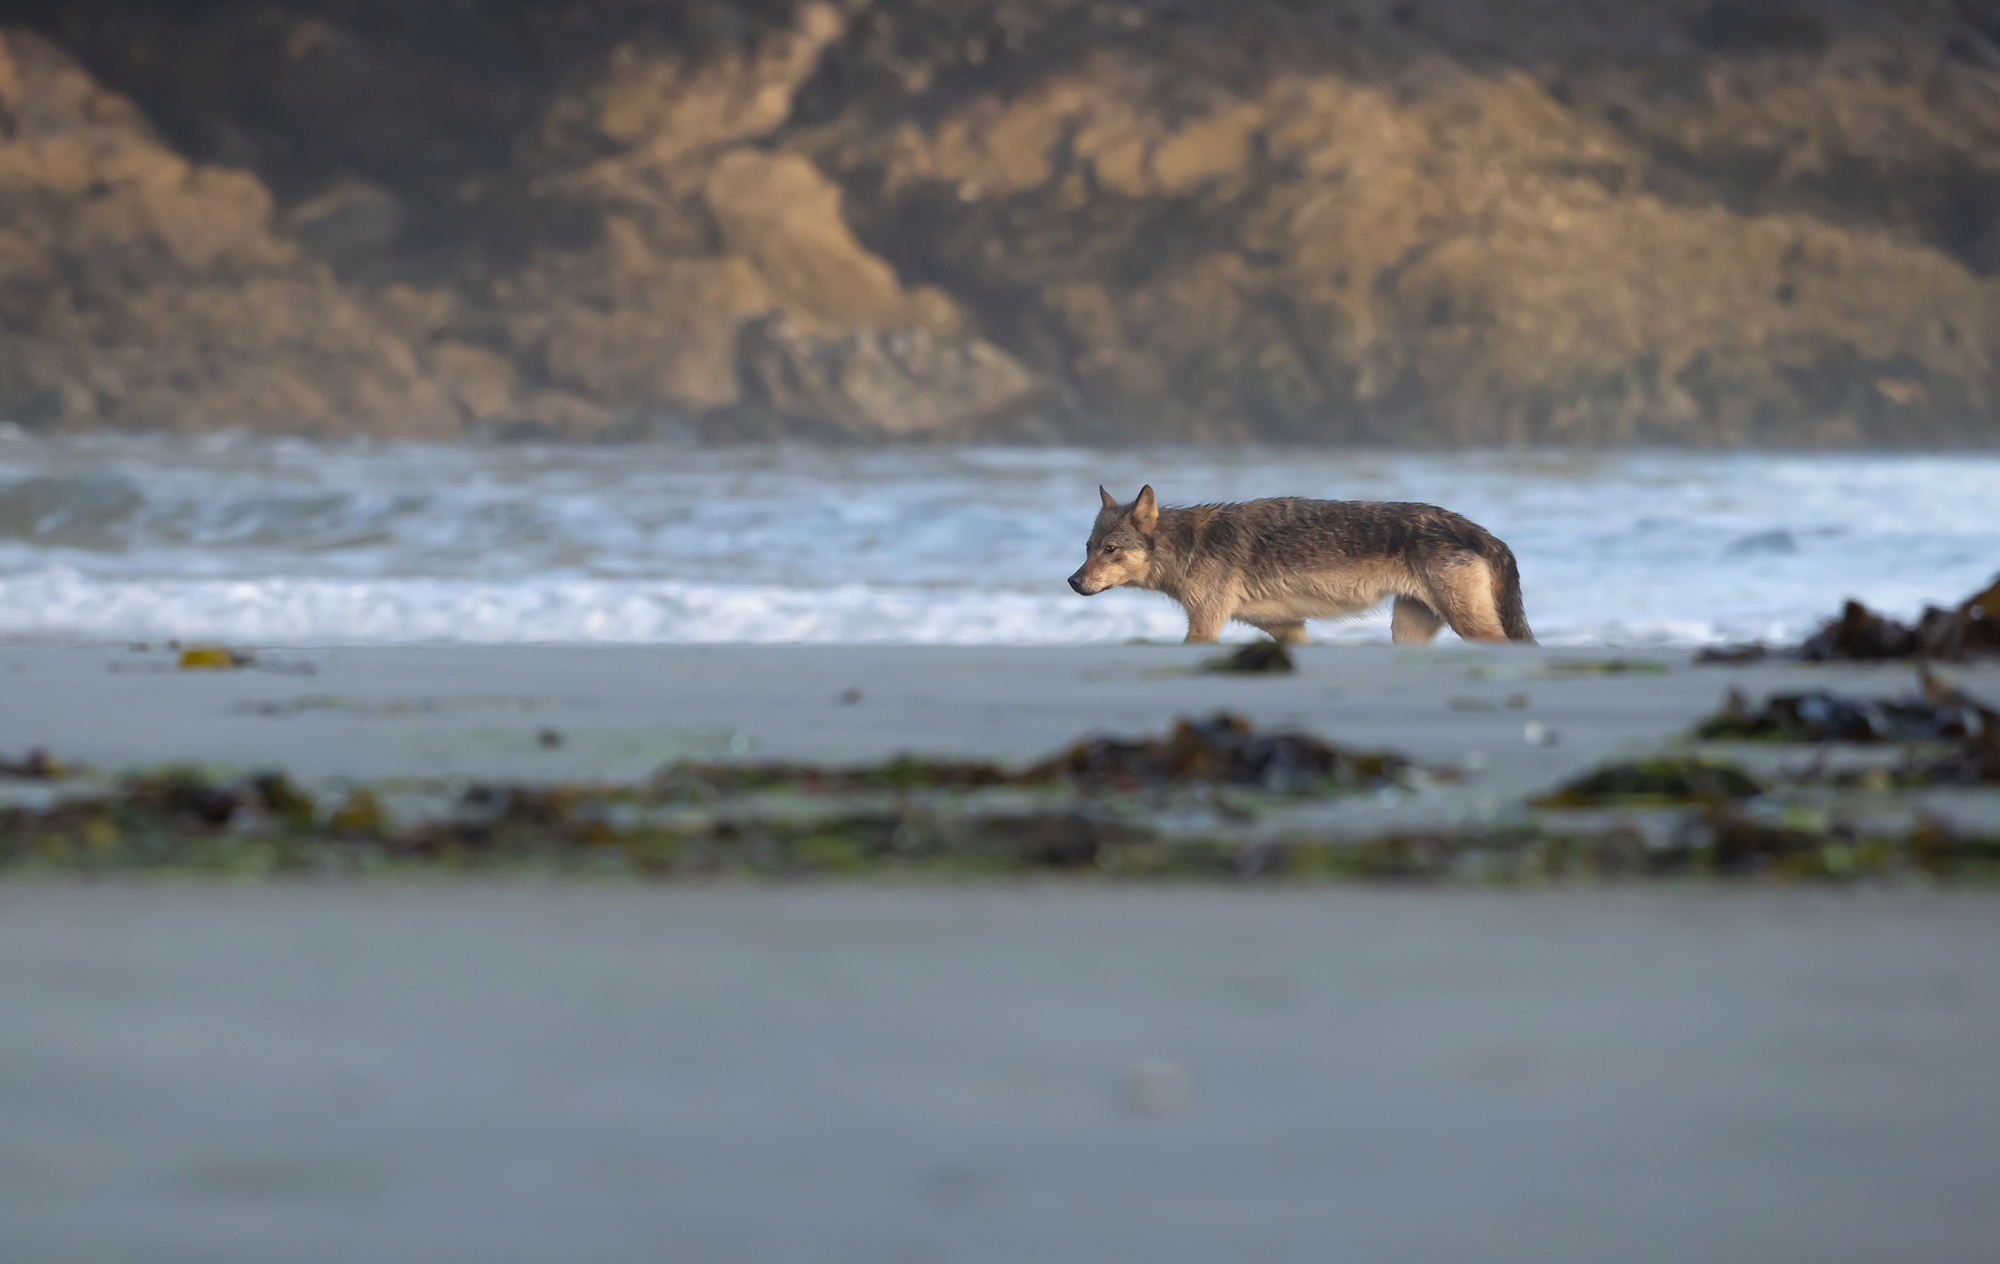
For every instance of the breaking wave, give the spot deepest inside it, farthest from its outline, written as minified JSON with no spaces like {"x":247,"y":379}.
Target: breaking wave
{"x":285,"y":541}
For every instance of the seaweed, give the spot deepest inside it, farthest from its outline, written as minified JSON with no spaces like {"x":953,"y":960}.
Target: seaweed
{"x":1085,"y":811}
{"x":1969,"y":630}
{"x":36,"y":765}
{"x":1959,"y":733}
{"x":266,"y":827}
{"x":697,"y":782}
{"x":1259,"y":658}
{"x":1860,"y":634}
{"x":1655,"y":783}
{"x":1823,"y":716}
{"x":1972,"y":762}
{"x":1223,"y":750}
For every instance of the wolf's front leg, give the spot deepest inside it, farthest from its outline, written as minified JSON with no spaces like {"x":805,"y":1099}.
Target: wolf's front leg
{"x":1205,"y":614}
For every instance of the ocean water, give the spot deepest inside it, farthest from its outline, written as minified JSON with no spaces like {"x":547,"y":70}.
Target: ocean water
{"x":283,"y":541}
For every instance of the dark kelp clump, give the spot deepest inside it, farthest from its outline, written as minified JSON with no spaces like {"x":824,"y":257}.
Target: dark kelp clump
{"x":1861,"y":635}
{"x":1973,"y":760}
{"x":1970,"y":630}
{"x":1654,"y":783}
{"x":1957,"y":736}
{"x":1259,"y":658}
{"x":1823,"y":716}
{"x":36,"y":765}
{"x":1223,"y":750}
{"x":707,"y":782}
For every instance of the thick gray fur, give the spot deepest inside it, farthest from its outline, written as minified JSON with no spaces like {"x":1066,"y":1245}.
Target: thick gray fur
{"x":1276,"y":563}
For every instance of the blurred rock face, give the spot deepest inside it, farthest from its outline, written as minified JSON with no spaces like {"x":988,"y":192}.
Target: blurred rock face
{"x":137,"y":288}
{"x":1432,"y":222}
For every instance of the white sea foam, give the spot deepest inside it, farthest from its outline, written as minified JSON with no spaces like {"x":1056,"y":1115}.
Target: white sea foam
{"x":283,"y":541}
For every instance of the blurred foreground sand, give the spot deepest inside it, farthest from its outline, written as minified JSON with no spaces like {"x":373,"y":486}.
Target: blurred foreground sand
{"x":495,"y":1073}
{"x":485,"y":1071}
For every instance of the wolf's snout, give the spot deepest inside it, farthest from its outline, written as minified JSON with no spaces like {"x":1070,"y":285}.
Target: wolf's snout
{"x":1076,"y":582}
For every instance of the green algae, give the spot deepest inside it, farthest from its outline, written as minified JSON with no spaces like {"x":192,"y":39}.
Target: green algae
{"x":1188,"y":805}
{"x":266,"y":827}
{"x":1664,"y":782}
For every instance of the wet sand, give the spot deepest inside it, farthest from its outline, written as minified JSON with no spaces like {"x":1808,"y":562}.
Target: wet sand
{"x":434,"y":1071}
{"x":446,"y":1072}
{"x":573,"y":713}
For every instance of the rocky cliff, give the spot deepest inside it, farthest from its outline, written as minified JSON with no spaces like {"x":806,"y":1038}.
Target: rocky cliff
{"x":1391,"y":221}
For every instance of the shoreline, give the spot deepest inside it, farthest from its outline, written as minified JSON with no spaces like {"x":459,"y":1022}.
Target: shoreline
{"x":888,"y":760}
{"x":622,"y":711}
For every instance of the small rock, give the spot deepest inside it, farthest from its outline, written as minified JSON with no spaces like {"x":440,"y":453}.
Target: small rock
{"x":548,"y":739}
{"x":848,"y":696}
{"x":1536,"y":733}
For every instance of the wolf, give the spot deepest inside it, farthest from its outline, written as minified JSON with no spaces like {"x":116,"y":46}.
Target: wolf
{"x":1273,"y":564}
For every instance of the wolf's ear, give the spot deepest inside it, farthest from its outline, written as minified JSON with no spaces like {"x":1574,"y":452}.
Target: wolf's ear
{"x":1145,"y":511}
{"x":1110,"y":501}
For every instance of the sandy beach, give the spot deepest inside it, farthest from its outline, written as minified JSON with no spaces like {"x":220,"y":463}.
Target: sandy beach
{"x":541,"y":718}
{"x":515,"y":1074}
{"x":491,"y":1071}
{"x":617,"y":713}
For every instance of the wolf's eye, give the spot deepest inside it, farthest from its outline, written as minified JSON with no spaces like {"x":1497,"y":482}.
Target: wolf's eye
{"x":1110,"y":548}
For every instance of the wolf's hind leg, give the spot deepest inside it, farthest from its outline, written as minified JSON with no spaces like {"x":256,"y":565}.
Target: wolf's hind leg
{"x":1464,"y":593}
{"x":1411,"y":622}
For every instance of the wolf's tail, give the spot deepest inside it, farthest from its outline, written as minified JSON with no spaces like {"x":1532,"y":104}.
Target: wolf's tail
{"x":1507,"y":591}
